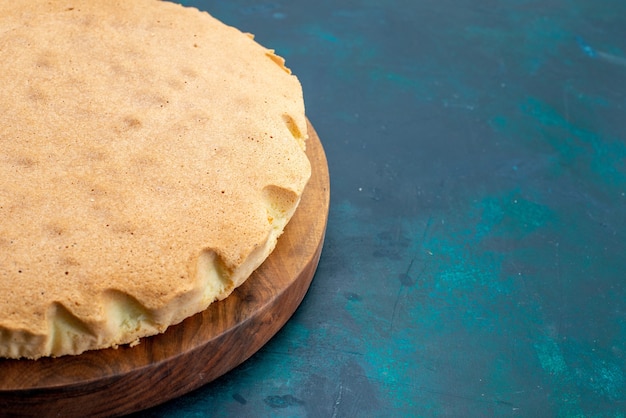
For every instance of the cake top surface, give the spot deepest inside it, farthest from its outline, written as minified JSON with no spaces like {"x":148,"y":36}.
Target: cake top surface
{"x":142,"y":142}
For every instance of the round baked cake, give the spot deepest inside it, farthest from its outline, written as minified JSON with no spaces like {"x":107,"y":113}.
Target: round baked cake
{"x":150,"y":158}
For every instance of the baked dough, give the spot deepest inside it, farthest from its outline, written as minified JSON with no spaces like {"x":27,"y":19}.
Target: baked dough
{"x":150,"y":158}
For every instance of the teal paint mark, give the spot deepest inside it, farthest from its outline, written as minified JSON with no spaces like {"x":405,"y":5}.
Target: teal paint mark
{"x":604,"y":378}
{"x":574,"y":149}
{"x":553,"y":363}
{"x":537,"y":40}
{"x":323,"y":34}
{"x":611,"y":58}
{"x":499,"y":123}
{"x":550,"y":357}
{"x":461,"y":270}
{"x":596,"y":370}
{"x":590,"y":101}
{"x":510,"y":215}
{"x":579,"y":148}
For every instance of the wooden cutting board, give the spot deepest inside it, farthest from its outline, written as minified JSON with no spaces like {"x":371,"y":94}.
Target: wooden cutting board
{"x":198,"y":350}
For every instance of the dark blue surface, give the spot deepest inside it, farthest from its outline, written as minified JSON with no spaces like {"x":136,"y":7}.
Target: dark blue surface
{"x":475,"y":260}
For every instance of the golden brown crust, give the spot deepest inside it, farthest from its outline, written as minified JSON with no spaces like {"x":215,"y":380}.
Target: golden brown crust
{"x":150,"y":158}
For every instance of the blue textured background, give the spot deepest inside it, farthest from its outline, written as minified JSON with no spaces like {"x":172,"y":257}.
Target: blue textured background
{"x":474,"y":262}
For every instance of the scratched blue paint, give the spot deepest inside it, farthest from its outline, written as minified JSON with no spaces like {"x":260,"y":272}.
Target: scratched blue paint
{"x":454,"y":274}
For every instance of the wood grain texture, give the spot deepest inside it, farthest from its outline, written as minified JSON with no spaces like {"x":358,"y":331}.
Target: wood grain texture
{"x":198,"y":350}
